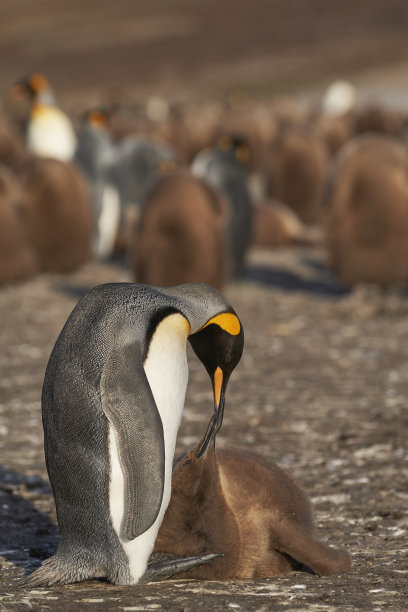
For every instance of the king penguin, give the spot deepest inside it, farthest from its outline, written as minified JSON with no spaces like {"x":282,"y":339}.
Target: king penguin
{"x":50,"y":132}
{"x":112,"y":401}
{"x":223,"y":169}
{"x":95,"y":155}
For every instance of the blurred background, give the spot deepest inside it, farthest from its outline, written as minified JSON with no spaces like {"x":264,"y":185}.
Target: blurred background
{"x":185,"y":48}
{"x":279,"y":86}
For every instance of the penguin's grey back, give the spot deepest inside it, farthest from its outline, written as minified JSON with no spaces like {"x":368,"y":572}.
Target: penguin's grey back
{"x":136,"y":162}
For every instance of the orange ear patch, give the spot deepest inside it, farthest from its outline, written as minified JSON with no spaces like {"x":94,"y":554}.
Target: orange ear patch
{"x":227,"y":321}
{"x":97,"y":119}
{"x":38,"y":82}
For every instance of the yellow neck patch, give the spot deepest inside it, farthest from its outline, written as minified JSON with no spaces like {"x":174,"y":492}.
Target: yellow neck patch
{"x":39,"y":110}
{"x":227,"y":321}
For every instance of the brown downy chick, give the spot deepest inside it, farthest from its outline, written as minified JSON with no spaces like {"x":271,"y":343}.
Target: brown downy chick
{"x":17,"y":258}
{"x":56,"y":211}
{"x":244,"y":506}
{"x":366,"y":212}
{"x":179,"y":237}
{"x":275,"y":225}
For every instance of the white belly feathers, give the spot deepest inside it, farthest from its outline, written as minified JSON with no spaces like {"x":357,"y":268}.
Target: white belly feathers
{"x":167,"y":372}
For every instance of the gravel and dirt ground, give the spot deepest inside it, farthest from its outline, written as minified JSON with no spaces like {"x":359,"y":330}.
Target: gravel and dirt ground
{"x":321,"y":388}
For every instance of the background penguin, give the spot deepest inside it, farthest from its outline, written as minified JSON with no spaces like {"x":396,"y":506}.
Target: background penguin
{"x":339,"y":99}
{"x":366,"y":214}
{"x":179,"y":237}
{"x":12,"y":149}
{"x":221,"y":168}
{"x":295,"y":169}
{"x":275,"y":224}
{"x":246,"y":507}
{"x":112,"y":401}
{"x":379,"y":118}
{"x":17,"y":257}
{"x":49,"y":132}
{"x":56,"y":211}
{"x":138,"y":161}
{"x":95,"y":155}
{"x":120,"y":174}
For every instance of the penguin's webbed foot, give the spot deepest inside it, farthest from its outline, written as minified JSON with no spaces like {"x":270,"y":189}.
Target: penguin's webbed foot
{"x":168,"y":565}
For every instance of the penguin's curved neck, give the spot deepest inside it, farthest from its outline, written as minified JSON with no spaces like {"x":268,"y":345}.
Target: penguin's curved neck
{"x":44,"y":97}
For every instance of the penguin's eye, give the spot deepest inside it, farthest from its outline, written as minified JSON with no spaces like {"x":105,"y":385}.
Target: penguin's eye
{"x":186,"y":462}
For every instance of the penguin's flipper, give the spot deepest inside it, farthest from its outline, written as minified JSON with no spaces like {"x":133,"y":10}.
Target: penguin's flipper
{"x":128,"y":403}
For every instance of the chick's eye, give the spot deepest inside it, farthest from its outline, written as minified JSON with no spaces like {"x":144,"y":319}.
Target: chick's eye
{"x":186,"y":462}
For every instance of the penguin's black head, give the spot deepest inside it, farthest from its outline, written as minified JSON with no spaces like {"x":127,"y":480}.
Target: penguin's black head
{"x":97,"y":118}
{"x":218,"y":345}
{"x":31,"y":86}
{"x":237,"y":145}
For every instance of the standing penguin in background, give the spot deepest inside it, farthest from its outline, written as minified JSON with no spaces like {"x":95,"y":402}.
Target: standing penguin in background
{"x":119,"y":174}
{"x":245,"y":507}
{"x":112,"y":401}
{"x":222,"y":167}
{"x":95,"y":155}
{"x":50,"y":132}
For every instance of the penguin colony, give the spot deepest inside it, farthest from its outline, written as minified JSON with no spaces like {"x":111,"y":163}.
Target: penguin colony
{"x":112,"y":402}
{"x":185,"y":205}
{"x":276,"y":171}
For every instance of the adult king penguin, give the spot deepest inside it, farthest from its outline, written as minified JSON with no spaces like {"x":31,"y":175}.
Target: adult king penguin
{"x":50,"y":132}
{"x":112,"y":401}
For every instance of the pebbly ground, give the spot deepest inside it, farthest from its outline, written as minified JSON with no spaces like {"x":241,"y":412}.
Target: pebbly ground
{"x":322,"y":388}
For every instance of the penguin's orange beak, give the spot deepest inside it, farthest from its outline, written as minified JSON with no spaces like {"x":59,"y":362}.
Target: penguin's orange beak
{"x":217,"y":386}
{"x":219,"y":398}
{"x":216,"y":420}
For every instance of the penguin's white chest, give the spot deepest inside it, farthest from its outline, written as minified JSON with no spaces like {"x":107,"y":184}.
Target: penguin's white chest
{"x":50,"y":134}
{"x":167,"y":372}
